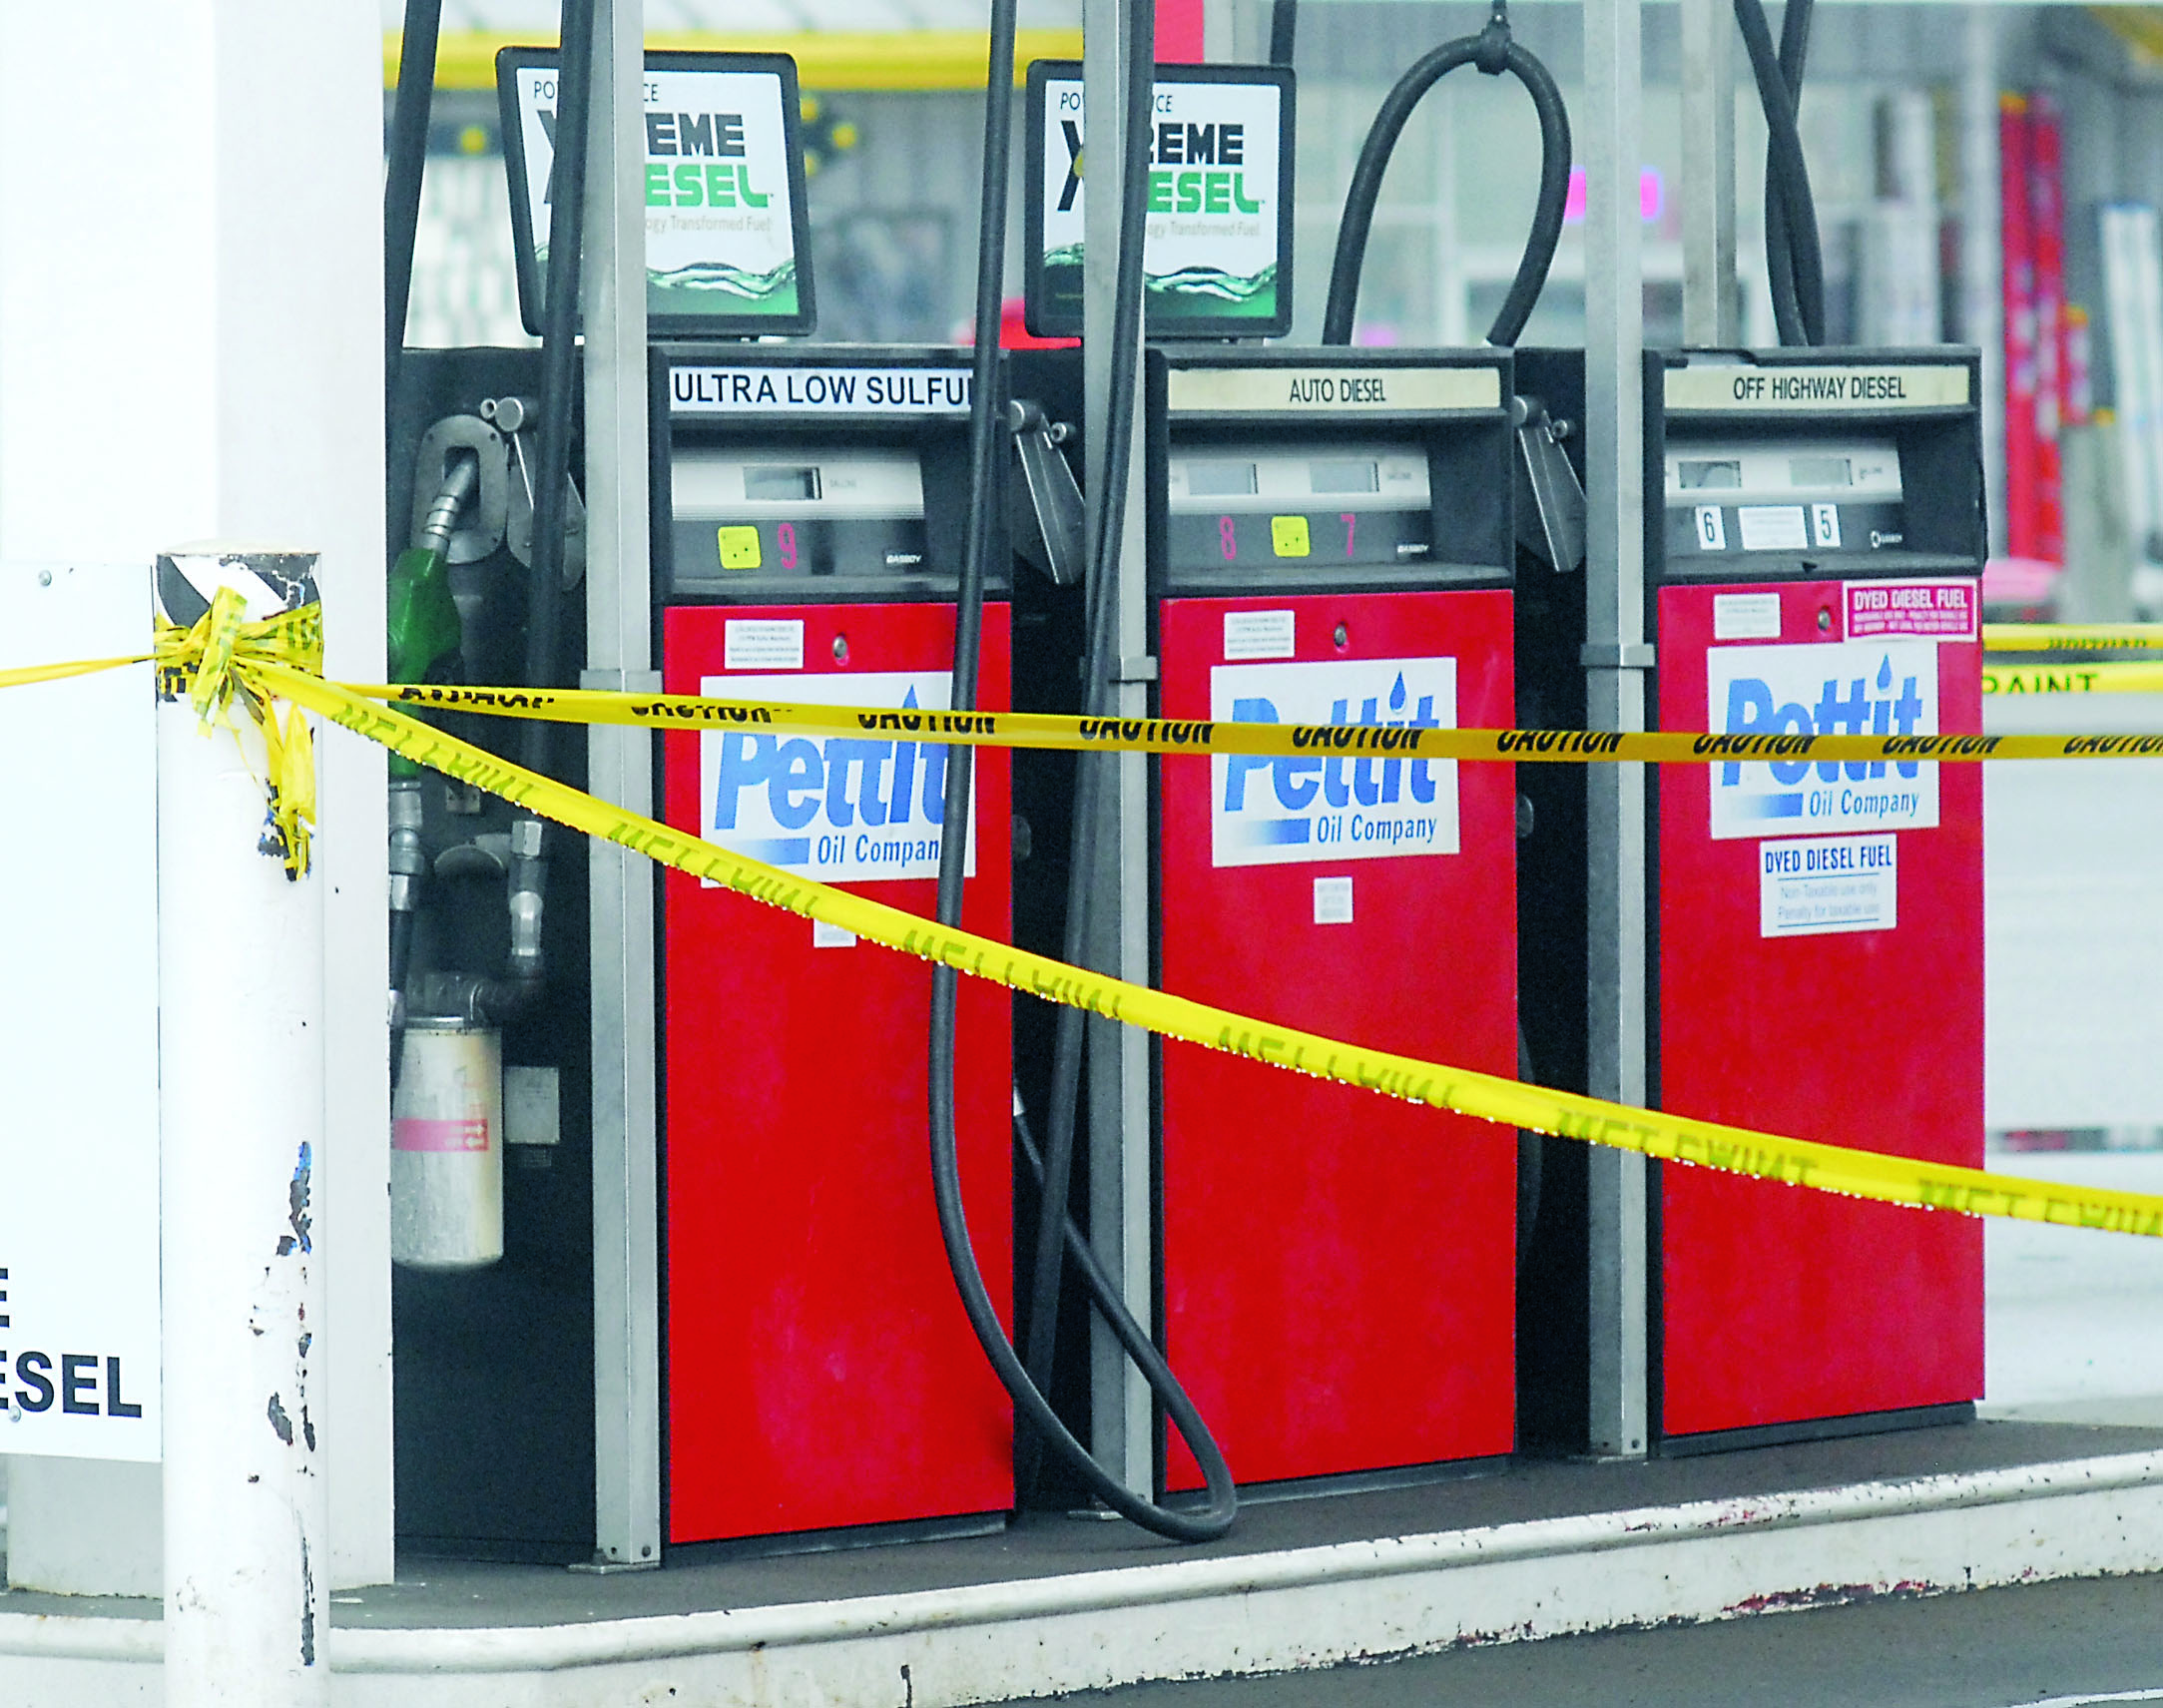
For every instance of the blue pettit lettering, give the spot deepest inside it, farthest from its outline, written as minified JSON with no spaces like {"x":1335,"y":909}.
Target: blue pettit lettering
{"x":1849,"y":688}
{"x":1359,"y":798}
{"x":841,"y":809}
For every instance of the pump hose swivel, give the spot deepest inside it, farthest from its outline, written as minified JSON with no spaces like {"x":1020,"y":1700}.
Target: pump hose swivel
{"x":1493,"y":52}
{"x":1057,"y":1235}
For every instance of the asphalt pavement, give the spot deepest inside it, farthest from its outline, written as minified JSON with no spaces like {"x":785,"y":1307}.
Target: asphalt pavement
{"x":2052,"y":1646}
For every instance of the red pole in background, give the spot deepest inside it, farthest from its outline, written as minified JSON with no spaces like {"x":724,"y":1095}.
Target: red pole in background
{"x":1179,"y":32}
{"x":2047,"y":219}
{"x":2021,"y":521}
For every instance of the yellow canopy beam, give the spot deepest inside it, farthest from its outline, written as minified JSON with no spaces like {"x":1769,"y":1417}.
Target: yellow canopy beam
{"x":840,"y":60}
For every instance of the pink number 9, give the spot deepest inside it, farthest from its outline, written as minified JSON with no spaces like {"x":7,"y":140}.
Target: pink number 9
{"x":785,"y":536}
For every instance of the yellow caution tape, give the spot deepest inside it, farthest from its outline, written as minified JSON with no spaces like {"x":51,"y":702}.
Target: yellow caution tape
{"x":1178,"y":736}
{"x":1672,"y":1138}
{"x":208,"y":662}
{"x":2099,"y":677}
{"x":25,"y":675}
{"x":2071,"y":636}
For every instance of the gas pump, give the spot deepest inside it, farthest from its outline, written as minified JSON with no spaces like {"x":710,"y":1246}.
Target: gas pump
{"x":1331,"y":543}
{"x":1819,"y":543}
{"x":1817,"y":929}
{"x":809,"y":522}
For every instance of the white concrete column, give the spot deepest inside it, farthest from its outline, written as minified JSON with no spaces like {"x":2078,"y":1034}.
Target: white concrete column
{"x":191,"y":314}
{"x":241,"y":1130}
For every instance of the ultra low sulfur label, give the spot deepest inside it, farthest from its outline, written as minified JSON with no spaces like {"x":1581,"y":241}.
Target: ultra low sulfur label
{"x":1819,"y":885}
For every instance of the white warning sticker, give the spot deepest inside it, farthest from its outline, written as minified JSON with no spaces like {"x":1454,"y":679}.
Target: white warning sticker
{"x":1258,"y":634}
{"x":755,"y":643}
{"x":1746,"y":615}
{"x":1773,"y":529}
{"x":1819,"y":885}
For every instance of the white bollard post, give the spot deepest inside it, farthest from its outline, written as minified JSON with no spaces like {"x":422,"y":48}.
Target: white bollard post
{"x":240,"y":1127}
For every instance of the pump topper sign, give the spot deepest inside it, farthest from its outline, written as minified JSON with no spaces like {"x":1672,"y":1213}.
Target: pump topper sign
{"x":727,"y":243}
{"x":1217,"y":253}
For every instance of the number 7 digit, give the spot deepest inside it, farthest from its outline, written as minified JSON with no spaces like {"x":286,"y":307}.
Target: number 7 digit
{"x":1351,"y":520}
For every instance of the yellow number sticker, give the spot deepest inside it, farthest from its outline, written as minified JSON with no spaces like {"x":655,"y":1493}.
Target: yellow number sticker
{"x":739,"y":547}
{"x":1288,"y":536}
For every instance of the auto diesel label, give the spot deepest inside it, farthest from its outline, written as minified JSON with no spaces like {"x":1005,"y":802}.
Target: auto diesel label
{"x":837,"y":809}
{"x":1851,"y":688}
{"x":1357,"y":803}
{"x":1740,"y":387}
{"x":1271,"y":391}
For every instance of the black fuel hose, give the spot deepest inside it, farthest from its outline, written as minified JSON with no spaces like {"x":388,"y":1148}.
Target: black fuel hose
{"x":408,"y":158}
{"x":1807,"y":290}
{"x":1058,"y":1232}
{"x":1284,"y":30}
{"x":1493,"y":52}
{"x":1793,"y":254}
{"x":559,"y":363}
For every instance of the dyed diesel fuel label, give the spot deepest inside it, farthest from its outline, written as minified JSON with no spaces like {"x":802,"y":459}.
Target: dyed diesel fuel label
{"x":1352,"y":797}
{"x":1849,"y":688}
{"x":841,"y":808}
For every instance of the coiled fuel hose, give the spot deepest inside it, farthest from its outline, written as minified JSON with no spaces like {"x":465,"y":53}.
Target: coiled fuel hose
{"x":1793,"y":255}
{"x":1056,"y":1230}
{"x":1493,"y":52}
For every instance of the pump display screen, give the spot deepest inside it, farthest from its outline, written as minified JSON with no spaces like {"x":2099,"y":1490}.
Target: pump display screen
{"x":1238,"y":509}
{"x":1782,"y":495}
{"x":738,"y":517}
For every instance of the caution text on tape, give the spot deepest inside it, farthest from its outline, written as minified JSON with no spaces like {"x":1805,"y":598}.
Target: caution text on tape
{"x":1178,"y":735}
{"x":1799,"y":1162}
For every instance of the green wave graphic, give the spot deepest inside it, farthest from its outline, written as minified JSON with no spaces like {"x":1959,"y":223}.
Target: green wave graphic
{"x":1232,"y":293}
{"x":1191,"y":292}
{"x":726,"y":278}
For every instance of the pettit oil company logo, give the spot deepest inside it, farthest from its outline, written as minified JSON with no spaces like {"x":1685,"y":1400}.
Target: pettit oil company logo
{"x":1350,"y":802}
{"x":1853,"y":688}
{"x":837,"y":809}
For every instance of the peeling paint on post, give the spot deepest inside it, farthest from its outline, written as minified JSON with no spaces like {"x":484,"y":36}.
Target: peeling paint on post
{"x":240,"y":1124}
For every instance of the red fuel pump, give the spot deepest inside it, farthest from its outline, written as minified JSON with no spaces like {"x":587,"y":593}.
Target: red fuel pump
{"x":820,"y":1371}
{"x":1818,"y":926}
{"x":1329,"y":540}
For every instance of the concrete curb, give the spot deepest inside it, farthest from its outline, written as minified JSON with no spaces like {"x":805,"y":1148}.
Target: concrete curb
{"x":1272,"y":1612}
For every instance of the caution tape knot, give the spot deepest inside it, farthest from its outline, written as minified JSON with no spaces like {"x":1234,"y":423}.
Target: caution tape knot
{"x":212,"y":664}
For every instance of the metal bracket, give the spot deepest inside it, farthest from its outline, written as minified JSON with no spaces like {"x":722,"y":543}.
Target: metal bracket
{"x":482,"y":519}
{"x":1612,"y":655}
{"x":1141,"y":669}
{"x":1048,"y":529}
{"x":620,"y":681}
{"x":1550,"y":500}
